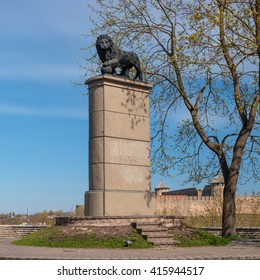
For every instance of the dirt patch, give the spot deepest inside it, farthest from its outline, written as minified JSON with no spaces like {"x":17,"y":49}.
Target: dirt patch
{"x":99,"y":231}
{"x":183,"y":232}
{"x":123,"y":231}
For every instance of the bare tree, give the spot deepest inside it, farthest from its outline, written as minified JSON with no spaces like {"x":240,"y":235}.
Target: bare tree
{"x":204,"y":57}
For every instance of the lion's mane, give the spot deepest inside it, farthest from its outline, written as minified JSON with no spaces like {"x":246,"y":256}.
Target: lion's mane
{"x":113,"y":57}
{"x":108,"y":54}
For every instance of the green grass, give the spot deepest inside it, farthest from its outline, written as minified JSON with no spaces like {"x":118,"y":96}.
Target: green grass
{"x":203,"y":238}
{"x":54,"y":237}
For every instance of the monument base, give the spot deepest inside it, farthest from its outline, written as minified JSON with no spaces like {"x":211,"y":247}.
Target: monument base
{"x":166,"y":221}
{"x":113,"y":202}
{"x":119,"y":148}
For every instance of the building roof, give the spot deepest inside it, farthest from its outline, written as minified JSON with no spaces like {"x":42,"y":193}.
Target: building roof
{"x":207,"y":191}
{"x":188,"y":192}
{"x":162,"y":185}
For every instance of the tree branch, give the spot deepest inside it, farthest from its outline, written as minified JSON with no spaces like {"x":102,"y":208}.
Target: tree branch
{"x":230,"y":62}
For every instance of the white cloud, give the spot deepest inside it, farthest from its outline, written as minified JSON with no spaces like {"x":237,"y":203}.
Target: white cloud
{"x":61,"y":112}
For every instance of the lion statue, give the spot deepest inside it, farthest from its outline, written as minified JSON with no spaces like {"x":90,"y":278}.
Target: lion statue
{"x":113,"y":57}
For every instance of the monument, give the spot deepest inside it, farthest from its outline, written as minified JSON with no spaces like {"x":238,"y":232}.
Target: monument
{"x":119,"y":137}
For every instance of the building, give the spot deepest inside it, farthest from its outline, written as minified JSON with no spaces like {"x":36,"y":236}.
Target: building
{"x":216,"y":186}
{"x":193,"y":201}
{"x":161,"y":188}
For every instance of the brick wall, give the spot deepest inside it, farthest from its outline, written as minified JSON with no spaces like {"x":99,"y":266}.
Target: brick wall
{"x":17,"y":231}
{"x":194,"y":205}
{"x":241,"y":231}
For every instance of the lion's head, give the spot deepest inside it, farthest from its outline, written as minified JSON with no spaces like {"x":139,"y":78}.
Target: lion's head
{"x":106,"y":48}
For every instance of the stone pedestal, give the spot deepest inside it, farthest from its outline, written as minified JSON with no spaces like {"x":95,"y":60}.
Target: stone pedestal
{"x":119,"y":148}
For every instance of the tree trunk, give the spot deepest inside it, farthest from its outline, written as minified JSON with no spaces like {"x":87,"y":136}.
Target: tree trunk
{"x":231,"y":179}
{"x":229,"y":207}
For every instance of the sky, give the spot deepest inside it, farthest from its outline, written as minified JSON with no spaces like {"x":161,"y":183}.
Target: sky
{"x":43,"y":114}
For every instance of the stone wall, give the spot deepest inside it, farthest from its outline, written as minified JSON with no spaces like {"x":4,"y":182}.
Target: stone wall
{"x":17,"y":231}
{"x":250,"y":232}
{"x":248,"y":204}
{"x":193,"y":205}
{"x":167,"y":221}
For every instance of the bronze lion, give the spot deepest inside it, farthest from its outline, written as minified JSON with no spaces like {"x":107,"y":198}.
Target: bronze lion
{"x":113,"y":57}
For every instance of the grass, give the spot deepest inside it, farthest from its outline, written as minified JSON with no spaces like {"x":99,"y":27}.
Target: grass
{"x":203,"y":238}
{"x":54,"y":237}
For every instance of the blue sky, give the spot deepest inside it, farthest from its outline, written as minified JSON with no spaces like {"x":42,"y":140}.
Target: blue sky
{"x":43,"y":115}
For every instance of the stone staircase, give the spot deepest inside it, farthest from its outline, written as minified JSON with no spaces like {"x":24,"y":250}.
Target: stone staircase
{"x":17,"y":231}
{"x":155,"y":228}
{"x":156,"y":233}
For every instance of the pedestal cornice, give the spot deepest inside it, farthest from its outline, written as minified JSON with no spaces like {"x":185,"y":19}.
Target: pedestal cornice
{"x":119,"y":81}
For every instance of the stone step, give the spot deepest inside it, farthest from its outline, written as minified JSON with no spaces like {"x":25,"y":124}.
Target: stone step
{"x":152,"y":232}
{"x":17,"y":231}
{"x":170,"y":242}
{"x":162,"y":222}
{"x":151,"y":228}
{"x":160,"y":241}
{"x":156,"y":223}
{"x":157,"y":235}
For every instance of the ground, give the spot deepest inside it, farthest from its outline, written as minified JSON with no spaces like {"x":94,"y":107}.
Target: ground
{"x":106,"y":231}
{"x":75,"y":235}
{"x":99,"y":231}
{"x":183,"y":232}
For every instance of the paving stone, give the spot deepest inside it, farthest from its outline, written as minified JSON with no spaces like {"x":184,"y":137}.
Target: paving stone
{"x":237,"y":250}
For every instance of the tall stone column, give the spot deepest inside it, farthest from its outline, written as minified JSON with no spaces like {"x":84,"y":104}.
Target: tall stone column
{"x":119,"y":148}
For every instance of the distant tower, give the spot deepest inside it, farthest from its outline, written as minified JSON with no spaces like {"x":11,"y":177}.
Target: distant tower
{"x":217,"y":185}
{"x":161,"y":188}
